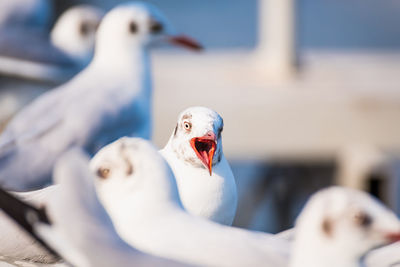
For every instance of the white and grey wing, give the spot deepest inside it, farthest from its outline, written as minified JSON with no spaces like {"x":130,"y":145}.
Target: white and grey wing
{"x":85,"y":224}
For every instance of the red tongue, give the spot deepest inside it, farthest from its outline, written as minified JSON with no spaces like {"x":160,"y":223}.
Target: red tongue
{"x":204,"y":157}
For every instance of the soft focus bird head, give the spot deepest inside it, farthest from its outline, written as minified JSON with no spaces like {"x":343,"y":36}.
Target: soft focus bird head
{"x":346,"y":223}
{"x":74,"y":32}
{"x":139,"y":24}
{"x":133,"y":168}
{"x":197,"y":137}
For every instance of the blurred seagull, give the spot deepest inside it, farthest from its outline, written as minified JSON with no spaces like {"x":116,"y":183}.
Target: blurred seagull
{"x":138,"y":190}
{"x":108,"y":99}
{"x":74,"y":224}
{"x":338,"y":226}
{"x":194,"y":152}
{"x":29,"y":53}
{"x":75,"y":31}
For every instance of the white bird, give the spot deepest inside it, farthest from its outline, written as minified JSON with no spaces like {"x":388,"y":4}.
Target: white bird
{"x":33,"y":54}
{"x":138,"y":190}
{"x":75,"y":30}
{"x":338,"y":226}
{"x":194,"y":152}
{"x":74,"y":224}
{"x":108,"y":99}
{"x":28,"y":54}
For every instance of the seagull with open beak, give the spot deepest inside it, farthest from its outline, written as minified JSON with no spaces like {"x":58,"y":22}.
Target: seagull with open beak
{"x":194,"y":152}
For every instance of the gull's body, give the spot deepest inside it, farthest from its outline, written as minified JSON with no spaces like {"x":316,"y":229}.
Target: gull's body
{"x":27,"y":53}
{"x":81,"y":230}
{"x":108,"y":99}
{"x":74,"y":224}
{"x":210,"y":194}
{"x":138,"y":190}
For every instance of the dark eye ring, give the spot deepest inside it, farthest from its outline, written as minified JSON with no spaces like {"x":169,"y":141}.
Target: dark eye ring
{"x":187,"y":125}
{"x":133,"y":28}
{"x":84,"y":28}
{"x":363,"y":219}
{"x":103,"y":172}
{"x":156,"y":27}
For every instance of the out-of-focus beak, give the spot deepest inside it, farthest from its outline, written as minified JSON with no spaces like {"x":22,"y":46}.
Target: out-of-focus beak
{"x":185,"y":41}
{"x":205,"y":147}
{"x":392,"y":237}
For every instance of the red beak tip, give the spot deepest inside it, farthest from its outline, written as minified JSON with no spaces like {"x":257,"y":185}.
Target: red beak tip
{"x":187,"y":42}
{"x":394,"y":237}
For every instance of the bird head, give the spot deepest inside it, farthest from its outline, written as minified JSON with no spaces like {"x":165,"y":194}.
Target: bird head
{"x":343,"y":223}
{"x":197,"y":137}
{"x":139,"y":24}
{"x":74,"y":32}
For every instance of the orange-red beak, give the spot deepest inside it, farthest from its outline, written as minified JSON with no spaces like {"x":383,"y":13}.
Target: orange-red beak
{"x":205,"y":148}
{"x":185,"y":41}
{"x":393,"y":237}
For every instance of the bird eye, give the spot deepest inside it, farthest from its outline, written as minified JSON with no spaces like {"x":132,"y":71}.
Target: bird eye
{"x":133,"y":28}
{"x":156,"y":27}
{"x":84,"y":28}
{"x":363,"y":219}
{"x":327,"y":226}
{"x":103,"y":172}
{"x":187,"y":126}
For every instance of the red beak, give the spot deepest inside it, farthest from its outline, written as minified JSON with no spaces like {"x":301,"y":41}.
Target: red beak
{"x":393,"y":237}
{"x":205,"y":148}
{"x":186,"y":42}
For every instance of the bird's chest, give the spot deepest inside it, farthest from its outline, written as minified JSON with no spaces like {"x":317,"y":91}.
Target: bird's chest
{"x":200,"y":192}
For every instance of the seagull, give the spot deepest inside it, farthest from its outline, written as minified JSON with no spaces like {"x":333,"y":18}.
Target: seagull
{"x":28,"y":54}
{"x":138,"y":190}
{"x":74,"y":224}
{"x":338,"y":226}
{"x":75,"y":30}
{"x":31,"y":53}
{"x":194,"y":152}
{"x":108,"y":99}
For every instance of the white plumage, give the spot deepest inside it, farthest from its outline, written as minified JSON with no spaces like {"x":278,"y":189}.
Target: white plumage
{"x":338,"y":226}
{"x":138,"y":190}
{"x":208,"y":193}
{"x":108,"y":99}
{"x":81,"y":230}
{"x":75,"y":30}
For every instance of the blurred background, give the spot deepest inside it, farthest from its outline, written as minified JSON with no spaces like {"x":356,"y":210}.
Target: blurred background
{"x":309,"y":91}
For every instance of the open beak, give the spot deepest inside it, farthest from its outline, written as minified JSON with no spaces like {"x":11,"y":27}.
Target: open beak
{"x":205,"y":148}
{"x":393,"y":237}
{"x":185,"y":41}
